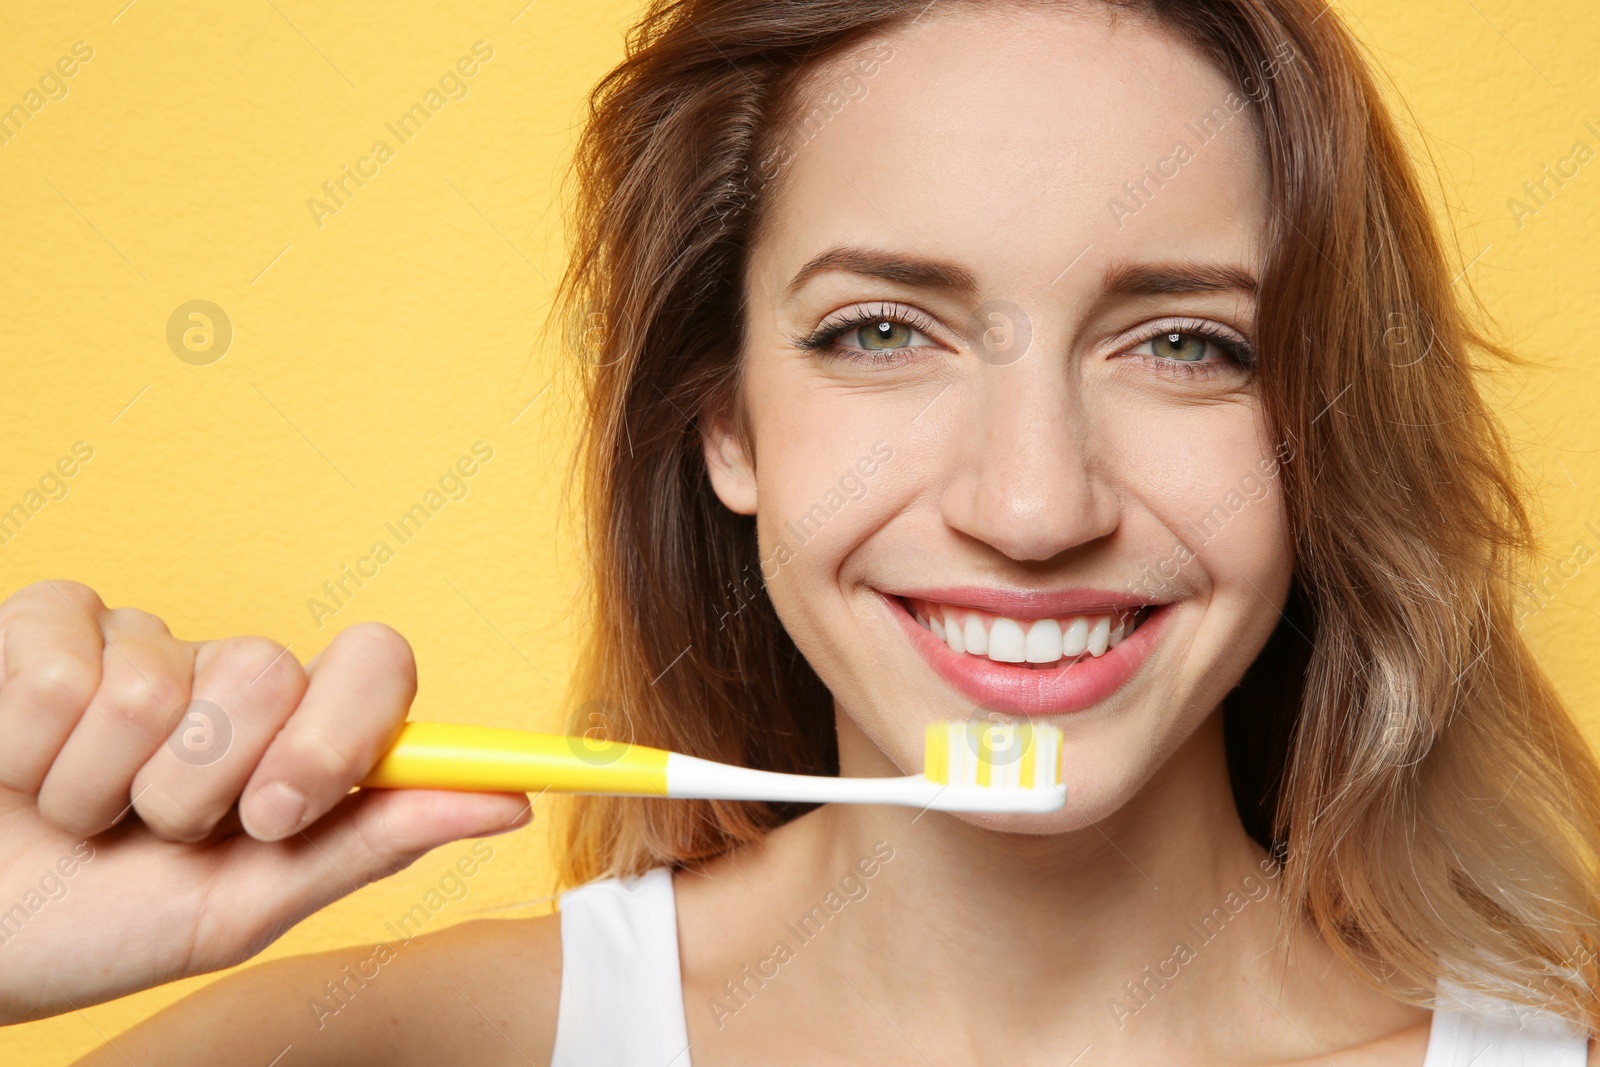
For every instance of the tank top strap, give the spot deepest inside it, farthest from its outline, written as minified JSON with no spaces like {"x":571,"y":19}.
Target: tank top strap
{"x":1473,"y":1028}
{"x":621,"y":987}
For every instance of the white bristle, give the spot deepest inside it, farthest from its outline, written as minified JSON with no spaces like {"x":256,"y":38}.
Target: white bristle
{"x":994,"y":755}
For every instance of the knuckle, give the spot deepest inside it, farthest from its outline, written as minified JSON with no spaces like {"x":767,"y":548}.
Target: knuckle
{"x":59,"y":684}
{"x":52,"y":591}
{"x":328,"y":758}
{"x":133,"y":620}
{"x":374,"y":830}
{"x":384,"y":646}
{"x":171,"y":818}
{"x":145,"y":704}
{"x":52,"y":595}
{"x":72,"y":818}
{"x":256,"y":661}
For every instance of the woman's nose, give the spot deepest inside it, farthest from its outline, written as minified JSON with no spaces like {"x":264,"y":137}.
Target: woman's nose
{"x":1027,"y":471}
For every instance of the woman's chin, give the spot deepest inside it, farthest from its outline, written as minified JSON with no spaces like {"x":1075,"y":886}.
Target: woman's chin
{"x":1082,"y":812}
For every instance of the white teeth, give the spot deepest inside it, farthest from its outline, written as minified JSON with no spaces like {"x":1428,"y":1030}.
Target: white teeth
{"x":1099,"y":635}
{"x":975,"y":635}
{"x":1044,"y":642}
{"x":1037,"y":641}
{"x":952,"y":632}
{"x":1006,"y":643}
{"x":1076,"y":637}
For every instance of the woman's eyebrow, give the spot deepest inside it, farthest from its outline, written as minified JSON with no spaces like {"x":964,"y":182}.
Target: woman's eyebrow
{"x":908,"y":270}
{"x":1123,"y":279}
{"x":1151,"y":279}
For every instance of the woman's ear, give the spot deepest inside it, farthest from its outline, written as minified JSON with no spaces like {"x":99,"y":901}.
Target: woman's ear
{"x":733,"y":474}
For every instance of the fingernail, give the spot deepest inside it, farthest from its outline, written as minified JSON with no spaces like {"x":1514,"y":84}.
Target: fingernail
{"x":282,"y":809}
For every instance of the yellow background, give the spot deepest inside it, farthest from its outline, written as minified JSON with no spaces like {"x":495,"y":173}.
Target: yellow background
{"x":372,"y":351}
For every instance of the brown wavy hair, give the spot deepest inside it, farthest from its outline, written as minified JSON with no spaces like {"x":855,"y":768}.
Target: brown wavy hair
{"x":1395,"y":742}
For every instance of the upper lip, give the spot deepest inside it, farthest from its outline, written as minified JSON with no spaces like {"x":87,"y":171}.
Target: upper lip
{"x":1028,"y":603}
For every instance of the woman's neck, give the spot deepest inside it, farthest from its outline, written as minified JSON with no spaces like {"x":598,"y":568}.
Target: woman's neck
{"x":1061,"y":918}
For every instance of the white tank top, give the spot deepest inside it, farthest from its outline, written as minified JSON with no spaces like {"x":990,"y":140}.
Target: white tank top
{"x":622,"y":993}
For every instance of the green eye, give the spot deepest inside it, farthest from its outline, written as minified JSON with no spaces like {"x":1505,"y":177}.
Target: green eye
{"x":884,"y":334}
{"x":1184,"y":347}
{"x":881,"y":334}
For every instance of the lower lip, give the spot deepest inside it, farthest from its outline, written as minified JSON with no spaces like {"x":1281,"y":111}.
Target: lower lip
{"x":1023,"y":690}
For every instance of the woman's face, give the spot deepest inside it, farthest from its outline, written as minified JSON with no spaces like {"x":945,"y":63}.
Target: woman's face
{"x":1008,"y":455}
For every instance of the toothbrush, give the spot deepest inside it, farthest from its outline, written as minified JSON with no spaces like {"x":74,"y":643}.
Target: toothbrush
{"x":972,"y":766}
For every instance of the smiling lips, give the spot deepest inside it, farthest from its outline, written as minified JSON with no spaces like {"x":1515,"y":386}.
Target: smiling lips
{"x":1030,"y":654}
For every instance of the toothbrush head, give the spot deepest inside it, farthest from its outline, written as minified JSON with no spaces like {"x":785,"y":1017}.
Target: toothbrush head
{"x":1017,"y":766}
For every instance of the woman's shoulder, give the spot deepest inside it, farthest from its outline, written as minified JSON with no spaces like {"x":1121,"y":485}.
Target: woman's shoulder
{"x":485,"y":991}
{"x":1440,"y":1043}
{"x":1411,"y":1047}
{"x":501,"y":980}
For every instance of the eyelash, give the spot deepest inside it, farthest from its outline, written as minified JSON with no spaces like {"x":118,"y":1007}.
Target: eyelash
{"x":828,"y":332}
{"x":824,"y":339}
{"x":1236,"y":351}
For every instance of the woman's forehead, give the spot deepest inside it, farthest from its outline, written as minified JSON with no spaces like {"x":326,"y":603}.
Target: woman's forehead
{"x":1005,"y":141}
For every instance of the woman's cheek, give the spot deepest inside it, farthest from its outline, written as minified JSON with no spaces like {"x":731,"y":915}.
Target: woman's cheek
{"x":820,"y":484}
{"x":1200,"y":468}
{"x":1227,"y":547}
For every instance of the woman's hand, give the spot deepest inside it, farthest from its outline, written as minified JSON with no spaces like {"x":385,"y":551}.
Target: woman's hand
{"x":169,"y":807}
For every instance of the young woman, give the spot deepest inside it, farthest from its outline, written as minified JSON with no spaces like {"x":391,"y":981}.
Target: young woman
{"x":1095,"y":363}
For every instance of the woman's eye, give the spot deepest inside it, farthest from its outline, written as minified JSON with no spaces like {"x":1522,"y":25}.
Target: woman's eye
{"x":883,"y":335}
{"x":882,"y":332}
{"x":1188,"y":347}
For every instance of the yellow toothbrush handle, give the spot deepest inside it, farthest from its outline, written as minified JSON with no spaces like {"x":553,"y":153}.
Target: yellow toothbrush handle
{"x":437,"y":755}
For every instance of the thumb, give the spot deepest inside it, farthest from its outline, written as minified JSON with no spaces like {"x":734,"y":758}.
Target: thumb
{"x":369,"y":835}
